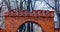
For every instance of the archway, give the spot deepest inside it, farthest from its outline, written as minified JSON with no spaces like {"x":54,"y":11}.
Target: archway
{"x":30,"y":27}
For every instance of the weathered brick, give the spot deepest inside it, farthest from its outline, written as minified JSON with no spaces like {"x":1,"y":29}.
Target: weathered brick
{"x":44,"y":18}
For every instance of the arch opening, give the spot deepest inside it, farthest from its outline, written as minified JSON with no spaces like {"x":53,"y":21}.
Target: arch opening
{"x":30,"y":27}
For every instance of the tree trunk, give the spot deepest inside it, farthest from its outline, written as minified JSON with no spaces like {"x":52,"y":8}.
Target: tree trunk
{"x":57,"y":10}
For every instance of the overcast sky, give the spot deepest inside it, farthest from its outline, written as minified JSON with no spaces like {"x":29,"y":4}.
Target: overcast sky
{"x":39,"y":5}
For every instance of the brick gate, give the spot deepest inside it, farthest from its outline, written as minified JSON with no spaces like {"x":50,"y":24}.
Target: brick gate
{"x":15,"y":19}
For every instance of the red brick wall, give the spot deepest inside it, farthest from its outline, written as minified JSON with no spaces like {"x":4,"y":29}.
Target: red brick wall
{"x":44,"y":18}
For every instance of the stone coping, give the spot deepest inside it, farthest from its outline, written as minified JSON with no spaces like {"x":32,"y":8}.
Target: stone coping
{"x":35,"y":13}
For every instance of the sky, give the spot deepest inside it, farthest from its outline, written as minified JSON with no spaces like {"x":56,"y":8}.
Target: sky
{"x":39,"y":5}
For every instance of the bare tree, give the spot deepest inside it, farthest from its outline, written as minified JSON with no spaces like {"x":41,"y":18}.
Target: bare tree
{"x":1,"y":7}
{"x":17,"y":5}
{"x":57,"y":10}
{"x":34,"y":5}
{"x":21,"y":4}
{"x":49,"y":5}
{"x":7,"y":3}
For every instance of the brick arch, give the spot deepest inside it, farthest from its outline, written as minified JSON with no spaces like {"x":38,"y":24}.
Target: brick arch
{"x":12,"y":23}
{"x":31,"y":22}
{"x":46,"y":20}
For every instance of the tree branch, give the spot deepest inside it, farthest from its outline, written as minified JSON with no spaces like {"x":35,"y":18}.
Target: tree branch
{"x":49,"y":5}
